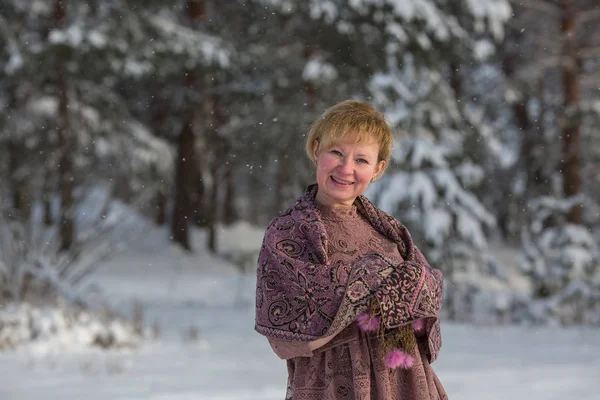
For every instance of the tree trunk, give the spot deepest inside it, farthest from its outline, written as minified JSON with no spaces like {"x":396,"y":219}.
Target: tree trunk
{"x":184,"y":177}
{"x":199,"y":203}
{"x":522,"y":120}
{"x":529,"y":155}
{"x":282,"y":182}
{"x":160,"y":110}
{"x":256,"y":190}
{"x":529,"y":162}
{"x":541,"y":174}
{"x":186,"y":155}
{"x":47,"y":194}
{"x":161,"y":207}
{"x":65,"y":171}
{"x":22,"y":199}
{"x":196,"y":9}
{"x":214,"y":210}
{"x":47,"y":200}
{"x":19,"y":183}
{"x":230,"y":214}
{"x":572,"y":182}
{"x":218,"y":150}
{"x":455,"y":79}
{"x":66,"y":145}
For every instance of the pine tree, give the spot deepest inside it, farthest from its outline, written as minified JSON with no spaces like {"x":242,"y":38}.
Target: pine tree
{"x":562,"y":260}
{"x":431,"y":185}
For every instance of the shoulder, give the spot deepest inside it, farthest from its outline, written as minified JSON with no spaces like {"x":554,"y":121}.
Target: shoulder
{"x":388,"y":225}
{"x":377,"y":216}
{"x":293,"y":221}
{"x":299,"y":231}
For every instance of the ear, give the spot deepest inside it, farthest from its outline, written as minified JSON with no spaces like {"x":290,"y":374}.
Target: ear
{"x":379,"y":170}
{"x":315,"y":149}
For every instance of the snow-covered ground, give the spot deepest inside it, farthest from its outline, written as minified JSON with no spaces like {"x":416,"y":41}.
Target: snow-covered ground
{"x":206,"y":347}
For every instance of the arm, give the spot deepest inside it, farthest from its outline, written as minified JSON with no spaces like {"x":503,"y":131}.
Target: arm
{"x":291,"y":349}
{"x":286,"y":349}
{"x":299,"y":295}
{"x":430,"y":300}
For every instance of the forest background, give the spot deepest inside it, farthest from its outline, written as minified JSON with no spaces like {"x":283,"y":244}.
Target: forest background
{"x":192,"y":114}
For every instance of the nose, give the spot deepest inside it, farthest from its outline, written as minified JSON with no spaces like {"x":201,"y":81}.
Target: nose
{"x":345,"y":166}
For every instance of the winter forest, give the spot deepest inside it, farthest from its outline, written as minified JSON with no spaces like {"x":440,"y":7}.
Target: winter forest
{"x":145,"y":146}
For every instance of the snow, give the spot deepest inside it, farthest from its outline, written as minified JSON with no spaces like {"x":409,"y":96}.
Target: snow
{"x":205,"y":346}
{"x":200,"y":47}
{"x":97,"y":39}
{"x":483,"y":50}
{"x":496,"y":12}
{"x":425,"y":10}
{"x":72,"y":36}
{"x":425,"y":152}
{"x":149,"y":149}
{"x":136,"y":68}
{"x":55,"y":330}
{"x":438,"y":223}
{"x":470,"y":228}
{"x":317,"y":70}
{"x":562,"y":260}
{"x":14,"y":63}
{"x":46,"y":106}
{"x":324,"y":9}
{"x":424,"y":41}
{"x":436,"y":194}
{"x":397,"y":31}
{"x":470,"y":174}
{"x":423,"y":190}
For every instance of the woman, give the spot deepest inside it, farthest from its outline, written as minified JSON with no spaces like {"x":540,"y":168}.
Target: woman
{"x":343,"y":294}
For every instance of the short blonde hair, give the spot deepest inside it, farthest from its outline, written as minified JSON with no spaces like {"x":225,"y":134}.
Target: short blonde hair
{"x":354,"y":117}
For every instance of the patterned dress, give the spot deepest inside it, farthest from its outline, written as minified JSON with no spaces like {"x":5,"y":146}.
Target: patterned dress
{"x":350,"y":366}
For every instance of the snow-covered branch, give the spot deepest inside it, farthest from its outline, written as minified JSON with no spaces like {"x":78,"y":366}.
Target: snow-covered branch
{"x":31,"y":263}
{"x":16,"y":59}
{"x":562,"y":260}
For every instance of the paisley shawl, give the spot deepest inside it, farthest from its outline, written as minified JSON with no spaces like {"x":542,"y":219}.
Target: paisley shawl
{"x":300,"y":296}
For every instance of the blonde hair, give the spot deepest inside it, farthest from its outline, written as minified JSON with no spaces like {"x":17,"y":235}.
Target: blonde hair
{"x":351,"y":117}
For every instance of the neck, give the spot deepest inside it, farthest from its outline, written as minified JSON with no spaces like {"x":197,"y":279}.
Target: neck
{"x":323,"y":200}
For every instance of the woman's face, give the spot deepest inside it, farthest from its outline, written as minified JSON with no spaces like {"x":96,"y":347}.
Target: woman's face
{"x":345,"y":170}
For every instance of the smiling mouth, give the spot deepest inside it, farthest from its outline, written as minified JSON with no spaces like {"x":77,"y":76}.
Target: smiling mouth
{"x":340,"y":181}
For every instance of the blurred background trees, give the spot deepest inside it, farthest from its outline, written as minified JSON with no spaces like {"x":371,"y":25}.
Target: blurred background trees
{"x":194,"y":112}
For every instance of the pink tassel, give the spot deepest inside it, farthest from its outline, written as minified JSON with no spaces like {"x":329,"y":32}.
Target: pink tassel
{"x":368,"y":323}
{"x":419,"y":326}
{"x":398,"y":358}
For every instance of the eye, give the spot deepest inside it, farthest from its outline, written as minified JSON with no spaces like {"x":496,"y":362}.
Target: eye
{"x":336,"y":152}
{"x":362,"y":161}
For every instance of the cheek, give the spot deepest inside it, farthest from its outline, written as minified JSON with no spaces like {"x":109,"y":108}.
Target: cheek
{"x":325,"y":163}
{"x":366,"y":174}
{"x":322,"y":169}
